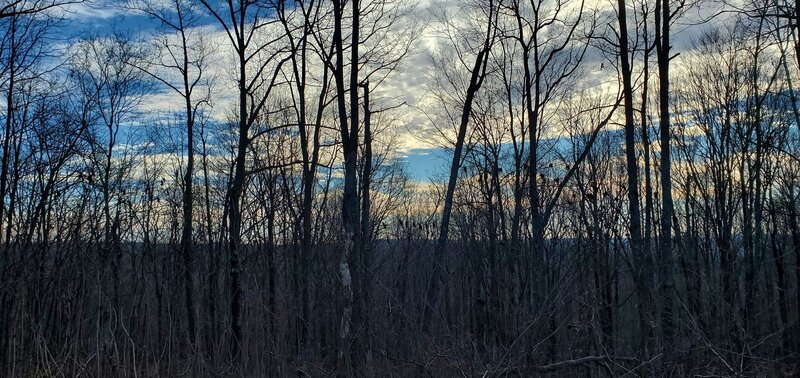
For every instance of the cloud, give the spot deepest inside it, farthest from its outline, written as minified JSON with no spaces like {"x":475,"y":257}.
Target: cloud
{"x":92,"y":11}
{"x":411,"y":84}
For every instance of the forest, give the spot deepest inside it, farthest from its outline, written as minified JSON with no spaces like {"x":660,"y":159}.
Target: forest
{"x":212,"y":188}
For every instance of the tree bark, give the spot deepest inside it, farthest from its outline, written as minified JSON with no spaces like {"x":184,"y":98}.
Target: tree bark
{"x":666,"y":279}
{"x":477,"y":76}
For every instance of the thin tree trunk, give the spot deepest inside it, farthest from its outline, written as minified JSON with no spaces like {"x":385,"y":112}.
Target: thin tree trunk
{"x":350,"y":203}
{"x":188,"y":201}
{"x":4,"y":168}
{"x":635,"y":226}
{"x":234,"y":208}
{"x":475,"y":82}
{"x":366,"y":227}
{"x":666,"y":287}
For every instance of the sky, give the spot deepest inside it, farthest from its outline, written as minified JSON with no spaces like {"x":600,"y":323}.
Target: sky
{"x":424,"y":160}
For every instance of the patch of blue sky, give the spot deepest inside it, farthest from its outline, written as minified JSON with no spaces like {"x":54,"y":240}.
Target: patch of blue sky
{"x":425,"y":163}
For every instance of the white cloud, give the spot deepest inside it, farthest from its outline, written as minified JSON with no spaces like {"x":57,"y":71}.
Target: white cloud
{"x":92,"y":11}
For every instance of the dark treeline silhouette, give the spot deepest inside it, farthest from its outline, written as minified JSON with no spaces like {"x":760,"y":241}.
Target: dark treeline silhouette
{"x":226,"y":193}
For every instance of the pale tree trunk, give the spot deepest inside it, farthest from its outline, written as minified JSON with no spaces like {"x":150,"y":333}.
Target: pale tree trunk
{"x":350,"y":203}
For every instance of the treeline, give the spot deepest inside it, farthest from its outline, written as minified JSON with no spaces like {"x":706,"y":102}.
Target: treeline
{"x":225,"y":193}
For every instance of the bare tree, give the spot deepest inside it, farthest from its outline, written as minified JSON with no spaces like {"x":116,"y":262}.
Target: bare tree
{"x":118,"y":218}
{"x":477,"y":73}
{"x":256,"y":56}
{"x":185,"y":58}
{"x":13,"y":8}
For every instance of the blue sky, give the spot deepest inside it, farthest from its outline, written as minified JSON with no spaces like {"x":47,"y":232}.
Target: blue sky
{"x":100,"y":18}
{"x":423,"y":160}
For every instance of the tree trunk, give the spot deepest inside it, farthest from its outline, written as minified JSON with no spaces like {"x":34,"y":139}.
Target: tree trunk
{"x":188,"y":203}
{"x":475,"y":82}
{"x":366,"y":227}
{"x":234,"y":209}
{"x":350,"y":203}
{"x":666,"y":287}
